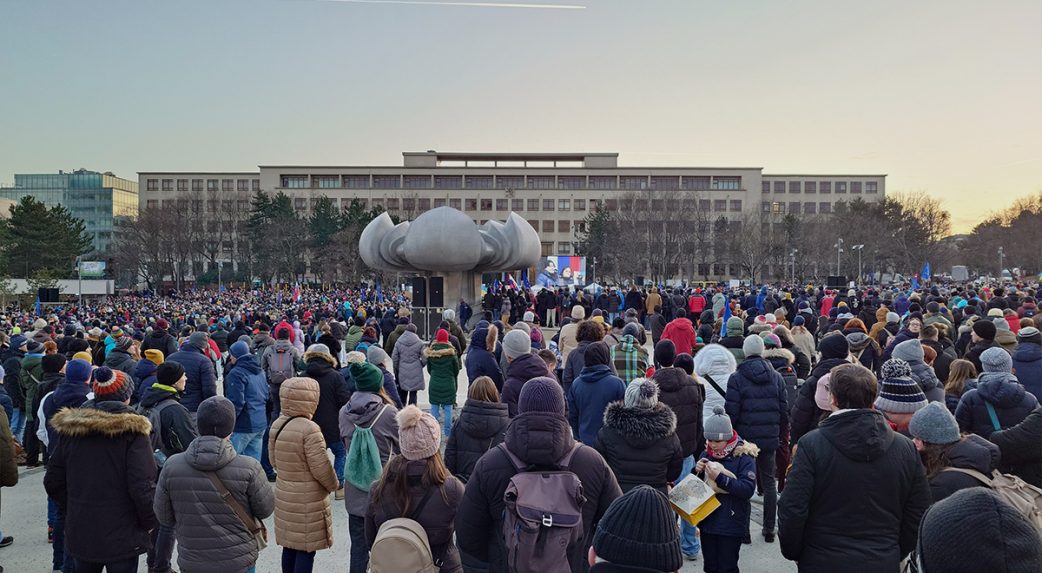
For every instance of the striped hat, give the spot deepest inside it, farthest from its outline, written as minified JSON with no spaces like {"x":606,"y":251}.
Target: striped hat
{"x":111,"y":385}
{"x":900,"y":396}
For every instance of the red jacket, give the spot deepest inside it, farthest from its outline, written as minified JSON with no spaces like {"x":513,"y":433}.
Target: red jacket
{"x":682,"y":332}
{"x":286,"y":325}
{"x":696,"y":304}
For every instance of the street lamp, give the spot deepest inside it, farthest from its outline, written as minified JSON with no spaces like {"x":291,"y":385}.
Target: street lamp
{"x":858,"y":248}
{"x":1001,"y":255}
{"x":839,"y":251}
{"x":792,"y":257}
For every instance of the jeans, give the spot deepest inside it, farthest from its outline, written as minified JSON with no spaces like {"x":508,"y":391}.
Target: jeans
{"x":17,"y":424}
{"x":162,"y":550}
{"x":122,"y":566}
{"x":359,"y":546}
{"x":769,"y":485}
{"x":248,"y":443}
{"x":59,"y":559}
{"x":720,"y":553}
{"x":443,"y":414}
{"x":294,"y":561}
{"x":688,"y":533}
{"x":339,"y":458}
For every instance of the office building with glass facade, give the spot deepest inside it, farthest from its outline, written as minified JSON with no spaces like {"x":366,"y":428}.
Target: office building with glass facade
{"x":99,"y":199}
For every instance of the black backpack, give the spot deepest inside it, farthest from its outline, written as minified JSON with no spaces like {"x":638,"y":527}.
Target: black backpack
{"x":792,"y":383}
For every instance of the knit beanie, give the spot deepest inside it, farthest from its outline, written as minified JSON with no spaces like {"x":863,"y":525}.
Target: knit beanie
{"x":33,"y":347}
{"x":975,"y":530}
{"x":541,"y":394}
{"x":985,"y":329}
{"x":376,"y":356}
{"x":639,"y":530}
{"x":753,"y":346}
{"x":596,"y":354}
{"x":78,"y":370}
{"x":169,"y":373}
{"x":578,"y":312}
{"x":770,"y":340}
{"x":896,"y":368}
{"x":718,"y":426}
{"x":685,"y":362}
{"x":665,"y":353}
{"x":798,"y":321}
{"x":318,"y":349}
{"x":900,"y":396}
{"x":442,"y":336}
{"x":892,"y":318}
{"x":367,"y":377}
{"x":834,"y":346}
{"x":934,"y":424}
{"x":216,"y":417}
{"x":115,"y":332}
{"x":641,"y":393}
{"x":154,"y":356}
{"x":529,"y":316}
{"x":1030,"y":334}
{"x":996,"y":360}
{"x":516,"y":343}
{"x":735,"y":326}
{"x":111,"y":385}
{"x":18,"y":341}
{"x":52,"y":363}
{"x":85,"y":356}
{"x":418,"y":433}
{"x":239,"y":349}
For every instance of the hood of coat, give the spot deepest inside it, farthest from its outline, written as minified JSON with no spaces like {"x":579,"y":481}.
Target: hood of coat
{"x":860,"y":435}
{"x":641,"y":427}
{"x":526,"y":367}
{"x":116,"y":357}
{"x":248,"y":363}
{"x":158,"y":333}
{"x":745,"y":448}
{"x":362,"y":407}
{"x":1028,"y":352}
{"x":262,"y":339}
{"x":144,"y":369}
{"x":408,"y":340}
{"x":594,"y":374}
{"x":483,"y":419}
{"x":109,"y":419}
{"x":439,"y":350}
{"x":671,"y":379}
{"x":539,"y":438}
{"x":859,"y":341}
{"x":299,"y":397}
{"x":975,"y":453}
{"x":779,"y":356}
{"x":321,"y":357}
{"x":629,"y":344}
{"x":716,"y":361}
{"x":1000,"y":388}
{"x":758,"y":370}
{"x":279,"y":345}
{"x":479,"y":339}
{"x":209,"y":453}
{"x":156,"y":393}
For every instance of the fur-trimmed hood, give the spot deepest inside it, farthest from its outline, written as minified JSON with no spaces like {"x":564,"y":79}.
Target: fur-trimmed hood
{"x":106,"y":420}
{"x":439,"y":350}
{"x":640,"y":426}
{"x":309,"y":356}
{"x":746,"y":449}
{"x":780,"y":353}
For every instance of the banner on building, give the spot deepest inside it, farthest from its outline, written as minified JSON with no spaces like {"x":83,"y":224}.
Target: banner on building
{"x":561,"y":270}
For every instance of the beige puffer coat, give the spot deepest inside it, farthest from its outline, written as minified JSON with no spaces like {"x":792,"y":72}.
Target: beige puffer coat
{"x":303,"y":518}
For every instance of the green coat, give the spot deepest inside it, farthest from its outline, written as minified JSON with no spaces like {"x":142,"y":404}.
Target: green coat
{"x":32,"y":367}
{"x":443,"y":365}
{"x":354,"y":336}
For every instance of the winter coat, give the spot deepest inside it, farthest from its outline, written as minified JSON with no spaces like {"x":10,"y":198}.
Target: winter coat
{"x":144,"y":376}
{"x":1002,"y":390}
{"x":30,"y":377}
{"x":456,"y":331}
{"x":12,"y":374}
{"x":971,"y":453}
{"x":210,"y":536}
{"x":102,"y":476}
{"x":362,"y":410}
{"x":481,"y":361}
{"x":658,"y":326}
{"x":443,"y":366}
{"x":805,"y":414}
{"x":756,"y":403}
{"x":911,"y":351}
{"x":1021,"y":455}
{"x":480,"y":427}
{"x":718,"y":363}
{"x":408,"y":361}
{"x":247,"y":387}
{"x":853,"y":498}
{"x":521,"y":370}
{"x":176,"y":429}
{"x":588,"y":397}
{"x":903,"y":335}
{"x":354,"y":336}
{"x":1027,"y":363}
{"x":160,"y":340}
{"x":682,"y":333}
{"x":866,"y":351}
{"x":121,"y":360}
{"x":731,"y":519}
{"x":630,"y":359}
{"x":685,"y":397}
{"x":974,"y":352}
{"x":303,"y":518}
{"x":436,"y":517}
{"x":539,"y":439}
{"x":733,"y":344}
{"x":8,"y":464}
{"x":805,"y":341}
{"x":334,"y":347}
{"x":333,"y":393}
{"x":567,"y":341}
{"x":390,"y":340}
{"x":641,"y":445}
{"x":220,"y":337}
{"x":202,"y":380}
{"x":942,"y":364}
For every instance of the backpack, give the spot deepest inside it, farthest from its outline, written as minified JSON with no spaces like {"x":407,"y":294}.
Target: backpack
{"x":401,"y":544}
{"x":280,"y":365}
{"x":364,"y":465}
{"x":792,"y":383}
{"x":155,"y":436}
{"x":1024,"y":497}
{"x":543,"y":517}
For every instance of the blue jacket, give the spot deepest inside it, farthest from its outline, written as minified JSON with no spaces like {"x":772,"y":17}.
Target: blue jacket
{"x":202,"y":379}
{"x":1011,"y":402}
{"x":732,"y":517}
{"x":588,"y":397}
{"x":481,"y":362}
{"x":145,"y":376}
{"x":1027,"y":363}
{"x":755,"y":402}
{"x":247,"y":387}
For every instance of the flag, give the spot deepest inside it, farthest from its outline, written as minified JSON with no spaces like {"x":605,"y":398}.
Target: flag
{"x":296,"y":293}
{"x":379,"y":293}
{"x":37,"y":307}
{"x":511,"y":283}
{"x":524,"y":279}
{"x":926,"y":271}
{"x":727,"y":315}
{"x":495,"y":286}
{"x":915,"y":283}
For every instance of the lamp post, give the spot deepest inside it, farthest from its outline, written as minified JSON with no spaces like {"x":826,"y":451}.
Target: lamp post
{"x":792,"y":258}
{"x":1001,"y":255}
{"x":839,"y":252}
{"x":858,"y":248}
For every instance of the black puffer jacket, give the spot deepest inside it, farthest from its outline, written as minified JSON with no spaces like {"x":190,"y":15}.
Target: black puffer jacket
{"x":177,"y":429}
{"x":971,"y":453}
{"x":685,"y":397}
{"x":539,"y":439}
{"x":755,"y":402}
{"x":1021,"y":455}
{"x":805,"y":413}
{"x":480,"y":427}
{"x":641,"y":445}
{"x":854,"y":497}
{"x":1005,"y":394}
{"x":521,"y":370}
{"x":333,"y":393}
{"x":160,"y":340}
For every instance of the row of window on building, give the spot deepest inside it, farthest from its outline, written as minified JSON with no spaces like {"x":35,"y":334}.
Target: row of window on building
{"x":508,"y":182}
{"x":824,"y":187}
{"x":203,"y":184}
{"x":797,"y":207}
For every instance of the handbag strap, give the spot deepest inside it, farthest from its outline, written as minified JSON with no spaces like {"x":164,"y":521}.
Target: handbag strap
{"x":714,"y":385}
{"x":993,"y":415}
{"x":236,"y":507}
{"x":283,"y":427}
{"x":974,"y":473}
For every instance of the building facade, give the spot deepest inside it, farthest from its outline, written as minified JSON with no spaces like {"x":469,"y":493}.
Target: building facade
{"x":553,"y":191}
{"x":99,"y":199}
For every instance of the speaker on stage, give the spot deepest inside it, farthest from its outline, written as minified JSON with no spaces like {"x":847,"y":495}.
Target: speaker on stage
{"x":419,"y":292}
{"x":47,"y":294}
{"x":437,"y":292}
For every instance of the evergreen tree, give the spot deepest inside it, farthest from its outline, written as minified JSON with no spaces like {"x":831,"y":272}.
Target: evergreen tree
{"x":37,"y":238}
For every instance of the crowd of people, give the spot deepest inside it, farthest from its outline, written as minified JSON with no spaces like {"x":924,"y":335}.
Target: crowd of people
{"x":867,"y":420}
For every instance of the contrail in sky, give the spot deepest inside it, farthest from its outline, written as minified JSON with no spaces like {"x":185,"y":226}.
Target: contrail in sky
{"x":477,"y":4}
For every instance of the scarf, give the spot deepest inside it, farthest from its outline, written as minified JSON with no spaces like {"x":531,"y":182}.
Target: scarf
{"x":728,"y":448}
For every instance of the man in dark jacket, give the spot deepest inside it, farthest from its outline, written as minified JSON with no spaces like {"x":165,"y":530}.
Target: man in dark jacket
{"x":857,"y":490}
{"x":1021,"y":455}
{"x":202,"y":378}
{"x":540,"y":437}
{"x":756,"y":404}
{"x":586,"y":333}
{"x":160,"y":339}
{"x":591,"y":392}
{"x":332,"y":396}
{"x":1027,"y":360}
{"x":102,"y":476}
{"x":982,"y":337}
{"x":12,"y":374}
{"x":247,"y":388}
{"x":120,"y":357}
{"x":522,"y":366}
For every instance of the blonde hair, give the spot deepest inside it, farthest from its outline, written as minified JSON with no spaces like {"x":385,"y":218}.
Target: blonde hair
{"x":483,"y":389}
{"x":958,"y":373}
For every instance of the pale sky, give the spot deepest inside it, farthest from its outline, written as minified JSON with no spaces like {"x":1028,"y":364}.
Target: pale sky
{"x":943,"y":96}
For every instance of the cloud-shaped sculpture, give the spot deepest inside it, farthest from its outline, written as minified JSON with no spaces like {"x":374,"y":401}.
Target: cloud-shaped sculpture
{"x":445,"y":239}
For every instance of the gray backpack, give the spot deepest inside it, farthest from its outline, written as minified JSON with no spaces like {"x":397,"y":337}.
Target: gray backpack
{"x":155,"y":417}
{"x":543,"y":519}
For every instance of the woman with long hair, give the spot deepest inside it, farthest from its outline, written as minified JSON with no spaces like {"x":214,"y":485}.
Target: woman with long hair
{"x":947,"y":454}
{"x":480,"y":427}
{"x":962,"y":376}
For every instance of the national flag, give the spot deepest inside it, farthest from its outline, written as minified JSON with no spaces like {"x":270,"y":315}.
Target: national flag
{"x":496,"y":286}
{"x":915,"y":283}
{"x":37,"y":307}
{"x":511,"y":283}
{"x":379,"y":293}
{"x":727,"y":315}
{"x":296,"y":293}
{"x":926,"y":271}
{"x":524,"y":279}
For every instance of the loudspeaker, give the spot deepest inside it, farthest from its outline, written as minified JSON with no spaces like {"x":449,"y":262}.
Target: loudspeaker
{"x":640,"y":281}
{"x":836,"y":281}
{"x":47,"y":294}
{"x":437,"y":292}
{"x":419,"y":292}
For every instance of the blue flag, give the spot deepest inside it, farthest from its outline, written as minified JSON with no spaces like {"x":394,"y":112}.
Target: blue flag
{"x":37,"y":308}
{"x":915,"y":283}
{"x":379,"y":293}
{"x":524,"y":279}
{"x":926,"y":271}
{"x":727,"y":315}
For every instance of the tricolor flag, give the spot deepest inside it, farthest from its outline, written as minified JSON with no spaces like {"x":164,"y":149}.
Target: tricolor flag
{"x":296,"y":293}
{"x":727,"y":315}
